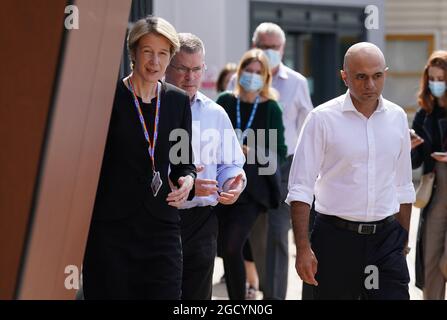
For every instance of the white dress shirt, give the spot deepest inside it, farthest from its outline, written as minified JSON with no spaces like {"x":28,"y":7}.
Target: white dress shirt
{"x":294,"y":99}
{"x":215,"y":146}
{"x":358,"y":168}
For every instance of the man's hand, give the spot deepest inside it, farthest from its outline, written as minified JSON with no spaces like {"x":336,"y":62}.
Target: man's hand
{"x":306,"y":265}
{"x":404,"y":217}
{"x":306,"y":262}
{"x":205,"y":187}
{"x":245,"y":150}
{"x":178,"y":196}
{"x":232,"y":189}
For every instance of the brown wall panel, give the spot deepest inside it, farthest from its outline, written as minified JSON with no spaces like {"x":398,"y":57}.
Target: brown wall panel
{"x":53,"y":125}
{"x":74,"y":149}
{"x":30,"y":36}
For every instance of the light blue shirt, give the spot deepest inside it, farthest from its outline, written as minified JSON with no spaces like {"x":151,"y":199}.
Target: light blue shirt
{"x":215,"y":147}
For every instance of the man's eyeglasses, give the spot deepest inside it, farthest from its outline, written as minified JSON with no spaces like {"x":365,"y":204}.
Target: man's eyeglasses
{"x":185,"y":70}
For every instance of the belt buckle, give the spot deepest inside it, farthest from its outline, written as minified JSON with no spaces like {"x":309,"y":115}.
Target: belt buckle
{"x":367,"y":228}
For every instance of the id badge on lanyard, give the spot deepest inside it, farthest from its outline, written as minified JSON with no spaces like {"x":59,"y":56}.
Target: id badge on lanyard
{"x":156,"y":178}
{"x":156,"y":183}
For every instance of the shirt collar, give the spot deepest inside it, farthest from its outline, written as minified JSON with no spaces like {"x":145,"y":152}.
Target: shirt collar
{"x":349,"y":106}
{"x":199,"y":97}
{"x":282,"y":72}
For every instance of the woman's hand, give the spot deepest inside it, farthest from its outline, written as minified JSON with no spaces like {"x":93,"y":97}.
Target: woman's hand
{"x":439,"y":156}
{"x":178,"y":196}
{"x":415,"y":139}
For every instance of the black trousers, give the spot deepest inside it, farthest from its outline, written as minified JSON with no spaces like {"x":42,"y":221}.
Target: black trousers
{"x":199,"y":241}
{"x":235,"y":223}
{"x":349,"y":261}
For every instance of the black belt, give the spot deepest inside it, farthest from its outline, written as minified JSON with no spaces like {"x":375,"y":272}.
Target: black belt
{"x":358,"y":227}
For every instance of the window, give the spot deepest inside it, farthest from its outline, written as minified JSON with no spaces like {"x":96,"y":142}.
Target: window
{"x":317,"y":38}
{"x":406,"y":56}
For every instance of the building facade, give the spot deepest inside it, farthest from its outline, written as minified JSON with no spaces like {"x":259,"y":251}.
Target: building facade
{"x":413,"y":29}
{"x":318,"y":33}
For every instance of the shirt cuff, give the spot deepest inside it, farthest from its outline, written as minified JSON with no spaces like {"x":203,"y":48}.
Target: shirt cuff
{"x":406,"y":194}
{"x":229,"y":173}
{"x":300,"y":193}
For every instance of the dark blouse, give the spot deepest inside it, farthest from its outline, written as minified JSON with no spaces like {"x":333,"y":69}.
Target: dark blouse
{"x":268,"y":116}
{"x":433,"y":129}
{"x":126,"y":174}
{"x":263,"y":189}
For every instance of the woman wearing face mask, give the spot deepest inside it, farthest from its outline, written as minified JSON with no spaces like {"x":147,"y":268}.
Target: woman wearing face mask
{"x":430,"y":123}
{"x":253,"y":110}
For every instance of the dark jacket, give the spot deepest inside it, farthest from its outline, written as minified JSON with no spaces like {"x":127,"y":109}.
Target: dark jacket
{"x":428,"y":127}
{"x":126,"y":174}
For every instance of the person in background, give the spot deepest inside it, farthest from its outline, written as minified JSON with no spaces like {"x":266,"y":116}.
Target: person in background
{"x":353,"y":153}
{"x":219,"y":171}
{"x":224,"y":76}
{"x":134,"y":247}
{"x":271,"y":253}
{"x":250,"y":268}
{"x":251,"y":107}
{"x":430,"y":124}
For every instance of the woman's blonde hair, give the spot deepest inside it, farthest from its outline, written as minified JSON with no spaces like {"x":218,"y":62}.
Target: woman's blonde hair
{"x":251,"y":56}
{"x":425,"y":99}
{"x":151,"y":24}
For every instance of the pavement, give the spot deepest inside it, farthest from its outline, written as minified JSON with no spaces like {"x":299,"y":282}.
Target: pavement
{"x":295,"y":283}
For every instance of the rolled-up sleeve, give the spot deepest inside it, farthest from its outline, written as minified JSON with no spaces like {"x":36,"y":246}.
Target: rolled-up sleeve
{"x":226,"y":171}
{"x":232,"y":158}
{"x":307,"y":160}
{"x":403,"y":180}
{"x":299,"y":193}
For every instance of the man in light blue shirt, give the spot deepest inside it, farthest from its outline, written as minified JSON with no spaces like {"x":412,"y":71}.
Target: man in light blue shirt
{"x":219,"y":159}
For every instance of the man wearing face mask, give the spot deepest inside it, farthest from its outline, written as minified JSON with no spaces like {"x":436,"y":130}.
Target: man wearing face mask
{"x":295,"y":101}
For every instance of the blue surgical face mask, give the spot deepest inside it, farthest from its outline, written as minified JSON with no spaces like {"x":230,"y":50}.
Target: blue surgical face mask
{"x":274,"y":57}
{"x":437,"y":88}
{"x":251,"y":81}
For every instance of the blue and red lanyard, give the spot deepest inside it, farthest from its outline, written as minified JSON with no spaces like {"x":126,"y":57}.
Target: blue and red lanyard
{"x":151,"y":147}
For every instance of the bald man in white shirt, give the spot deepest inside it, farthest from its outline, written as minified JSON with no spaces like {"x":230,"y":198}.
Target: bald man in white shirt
{"x":354,"y":155}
